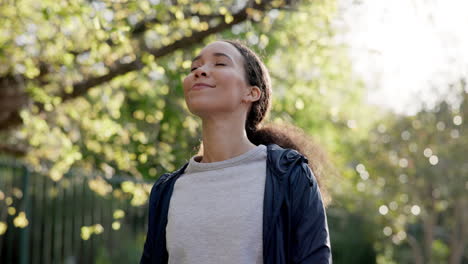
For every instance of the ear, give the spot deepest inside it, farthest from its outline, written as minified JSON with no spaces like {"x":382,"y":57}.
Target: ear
{"x":253,"y":94}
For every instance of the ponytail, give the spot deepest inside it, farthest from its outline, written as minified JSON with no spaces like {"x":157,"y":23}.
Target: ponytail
{"x":292,"y":137}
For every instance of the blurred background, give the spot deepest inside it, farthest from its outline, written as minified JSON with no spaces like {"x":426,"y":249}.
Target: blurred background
{"x":92,"y":113}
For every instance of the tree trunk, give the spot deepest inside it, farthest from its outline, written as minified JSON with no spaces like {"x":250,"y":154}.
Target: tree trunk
{"x":459,"y":231}
{"x":429,"y":222}
{"x":418,"y":257}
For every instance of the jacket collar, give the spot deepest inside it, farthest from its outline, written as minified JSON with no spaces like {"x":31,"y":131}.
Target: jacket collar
{"x":283,"y":158}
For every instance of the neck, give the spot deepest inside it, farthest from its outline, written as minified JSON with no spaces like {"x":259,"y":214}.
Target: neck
{"x":224,"y":138}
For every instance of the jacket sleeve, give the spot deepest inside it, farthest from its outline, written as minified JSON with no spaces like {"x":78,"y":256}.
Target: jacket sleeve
{"x":150,"y":234}
{"x":310,"y":236}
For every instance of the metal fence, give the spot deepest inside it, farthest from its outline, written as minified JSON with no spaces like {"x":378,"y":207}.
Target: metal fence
{"x":77,"y":219}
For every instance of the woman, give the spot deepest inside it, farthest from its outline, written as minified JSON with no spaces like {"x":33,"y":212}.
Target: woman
{"x":249,"y":196}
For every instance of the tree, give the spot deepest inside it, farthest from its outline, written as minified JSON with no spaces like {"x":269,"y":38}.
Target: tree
{"x":415,"y":171}
{"x":104,"y":90}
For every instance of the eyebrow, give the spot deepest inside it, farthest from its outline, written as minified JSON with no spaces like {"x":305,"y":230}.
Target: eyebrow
{"x":216,"y":54}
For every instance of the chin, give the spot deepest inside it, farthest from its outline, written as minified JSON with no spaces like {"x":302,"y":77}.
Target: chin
{"x":204,"y":108}
{"x":200,"y":108}
{"x":202,"y":111}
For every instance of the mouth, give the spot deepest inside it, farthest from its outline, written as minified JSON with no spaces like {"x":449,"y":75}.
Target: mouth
{"x":199,"y":86}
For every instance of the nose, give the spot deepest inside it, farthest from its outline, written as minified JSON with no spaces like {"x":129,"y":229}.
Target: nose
{"x":200,"y":71}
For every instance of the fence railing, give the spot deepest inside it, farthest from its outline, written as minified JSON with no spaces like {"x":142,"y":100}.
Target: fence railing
{"x":77,"y":219}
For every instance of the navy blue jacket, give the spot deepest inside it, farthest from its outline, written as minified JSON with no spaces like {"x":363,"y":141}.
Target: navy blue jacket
{"x":295,"y":228}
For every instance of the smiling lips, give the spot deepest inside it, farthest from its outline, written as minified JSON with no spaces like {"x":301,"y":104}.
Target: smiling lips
{"x":199,"y":86}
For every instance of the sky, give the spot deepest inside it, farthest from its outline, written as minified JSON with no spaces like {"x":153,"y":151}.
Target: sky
{"x":406,"y":51}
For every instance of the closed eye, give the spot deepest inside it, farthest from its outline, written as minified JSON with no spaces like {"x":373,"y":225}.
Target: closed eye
{"x":217,"y":64}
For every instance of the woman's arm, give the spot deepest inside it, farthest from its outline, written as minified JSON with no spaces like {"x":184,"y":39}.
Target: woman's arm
{"x":310,"y":236}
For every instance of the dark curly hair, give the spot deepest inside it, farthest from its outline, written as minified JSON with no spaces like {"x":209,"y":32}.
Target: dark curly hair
{"x":287,"y":135}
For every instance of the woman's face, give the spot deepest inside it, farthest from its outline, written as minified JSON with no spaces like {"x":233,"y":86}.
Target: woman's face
{"x":216,"y":83}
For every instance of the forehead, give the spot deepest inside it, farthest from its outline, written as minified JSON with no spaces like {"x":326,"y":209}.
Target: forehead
{"x":222,"y":47}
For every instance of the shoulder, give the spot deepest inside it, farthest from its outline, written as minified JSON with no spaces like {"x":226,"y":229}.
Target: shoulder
{"x":164,"y":179}
{"x":155,"y":187}
{"x":290,"y":163}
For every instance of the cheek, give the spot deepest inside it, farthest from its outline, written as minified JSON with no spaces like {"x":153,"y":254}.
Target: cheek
{"x":186,"y":83}
{"x":233,"y":87}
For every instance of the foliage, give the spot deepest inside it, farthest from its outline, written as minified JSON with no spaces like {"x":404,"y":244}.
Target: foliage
{"x":413,"y":172}
{"x":105,"y":77}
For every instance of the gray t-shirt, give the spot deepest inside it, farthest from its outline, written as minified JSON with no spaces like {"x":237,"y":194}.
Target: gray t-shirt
{"x":216,"y":211}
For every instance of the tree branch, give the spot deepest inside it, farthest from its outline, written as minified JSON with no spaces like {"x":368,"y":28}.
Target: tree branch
{"x":121,"y":68}
{"x":13,"y":150}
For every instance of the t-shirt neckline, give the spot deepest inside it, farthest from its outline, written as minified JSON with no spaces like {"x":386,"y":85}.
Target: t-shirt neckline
{"x":195,"y":166}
